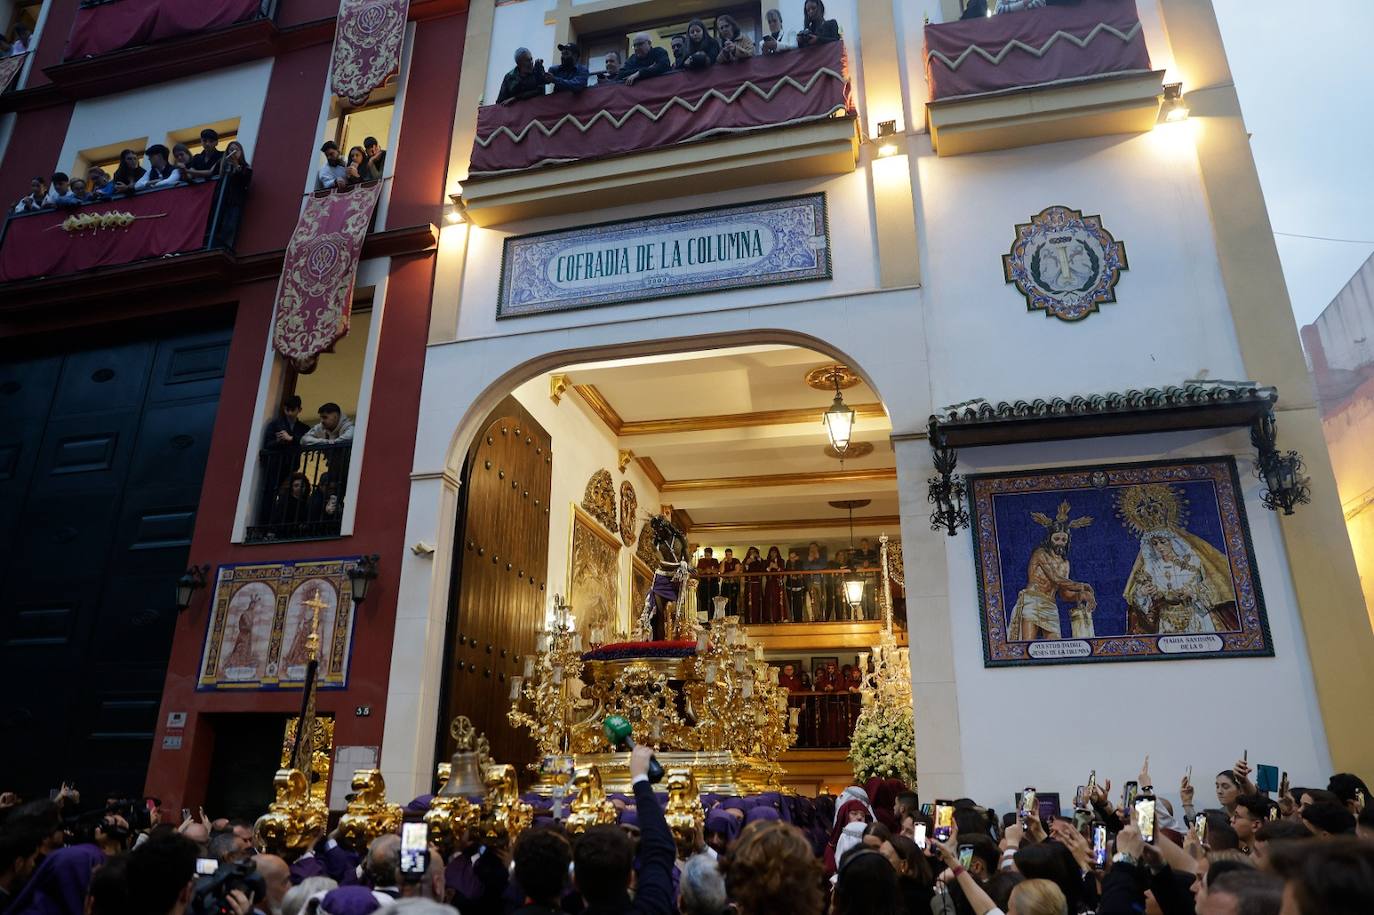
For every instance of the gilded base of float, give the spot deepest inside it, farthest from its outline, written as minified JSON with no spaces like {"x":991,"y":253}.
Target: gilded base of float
{"x":716,"y":771}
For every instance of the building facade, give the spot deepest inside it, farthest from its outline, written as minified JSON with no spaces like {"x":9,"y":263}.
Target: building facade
{"x":142,"y":376}
{"x":1050,"y":264}
{"x":920,"y":305}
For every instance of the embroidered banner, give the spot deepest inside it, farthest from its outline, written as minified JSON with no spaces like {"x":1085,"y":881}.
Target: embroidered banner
{"x":776,"y":89}
{"x":782,"y":240}
{"x":367,"y":46}
{"x":315,"y":294}
{"x":262,"y":615}
{"x":149,"y":224}
{"x":104,"y":27}
{"x":1050,"y":45}
{"x":1116,"y":563}
{"x":10,"y":67}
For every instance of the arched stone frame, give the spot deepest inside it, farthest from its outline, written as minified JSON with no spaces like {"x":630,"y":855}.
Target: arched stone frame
{"x":880,"y":335}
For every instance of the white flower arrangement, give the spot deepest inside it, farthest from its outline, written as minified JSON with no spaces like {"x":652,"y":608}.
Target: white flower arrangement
{"x":884,"y":745}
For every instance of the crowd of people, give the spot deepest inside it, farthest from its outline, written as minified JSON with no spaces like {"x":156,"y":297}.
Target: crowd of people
{"x":873,"y":850}
{"x":304,"y":472}
{"x":363,"y":163}
{"x":766,"y":588}
{"x":696,"y":48}
{"x":165,"y":168}
{"x":977,"y":9}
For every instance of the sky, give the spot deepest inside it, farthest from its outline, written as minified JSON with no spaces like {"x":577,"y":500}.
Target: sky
{"x":1305,"y":75}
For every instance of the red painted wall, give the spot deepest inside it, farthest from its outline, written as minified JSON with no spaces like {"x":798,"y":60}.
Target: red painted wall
{"x":32,"y":150}
{"x":178,"y":776}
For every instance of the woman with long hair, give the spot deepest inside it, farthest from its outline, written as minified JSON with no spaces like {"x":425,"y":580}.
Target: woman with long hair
{"x":128,"y":173}
{"x":770,"y":870}
{"x":734,"y":45}
{"x":866,"y":884}
{"x":235,"y":174}
{"x":774,"y":598}
{"x":701,"y":50}
{"x":356,"y":170}
{"x":753,"y":586}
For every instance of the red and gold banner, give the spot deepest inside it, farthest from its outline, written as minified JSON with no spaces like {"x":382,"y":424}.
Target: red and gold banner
{"x":125,"y":23}
{"x":367,"y":46}
{"x":10,"y":67}
{"x":151,"y":224}
{"x":315,"y":295}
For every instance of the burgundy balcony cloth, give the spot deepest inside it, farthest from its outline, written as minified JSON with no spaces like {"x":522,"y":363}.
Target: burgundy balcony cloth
{"x":315,"y":293}
{"x":127,"y":23}
{"x":606,"y":120}
{"x":38,"y":246}
{"x":1052,"y":34}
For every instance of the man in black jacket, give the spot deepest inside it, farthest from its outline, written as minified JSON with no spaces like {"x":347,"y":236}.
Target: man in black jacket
{"x":646,"y":61}
{"x":525,"y":81}
{"x":281,"y":448}
{"x":603,"y":856}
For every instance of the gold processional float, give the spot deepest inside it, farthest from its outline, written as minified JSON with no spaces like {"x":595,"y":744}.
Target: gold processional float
{"x":705,"y":700}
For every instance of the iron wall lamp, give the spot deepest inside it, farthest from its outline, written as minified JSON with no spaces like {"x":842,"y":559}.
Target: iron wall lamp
{"x":191,"y":581}
{"x":361,"y":576}
{"x":1285,"y":485}
{"x":946,"y":492}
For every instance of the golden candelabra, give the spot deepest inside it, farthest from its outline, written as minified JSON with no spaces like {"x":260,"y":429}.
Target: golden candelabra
{"x":888,"y":684}
{"x":546,"y":683}
{"x":718,"y":709}
{"x":368,"y":815}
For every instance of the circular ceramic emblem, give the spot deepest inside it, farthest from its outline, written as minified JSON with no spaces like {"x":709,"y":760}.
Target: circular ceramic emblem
{"x":1065,"y":263}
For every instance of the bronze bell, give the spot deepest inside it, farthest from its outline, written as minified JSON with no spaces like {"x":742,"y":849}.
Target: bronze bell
{"x":465,"y":776}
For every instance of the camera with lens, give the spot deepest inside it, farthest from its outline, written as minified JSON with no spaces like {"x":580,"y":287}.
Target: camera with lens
{"x":211,"y":893}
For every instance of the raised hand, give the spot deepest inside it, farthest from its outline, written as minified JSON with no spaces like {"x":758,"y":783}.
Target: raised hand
{"x":1186,"y":791}
{"x":1073,"y":840}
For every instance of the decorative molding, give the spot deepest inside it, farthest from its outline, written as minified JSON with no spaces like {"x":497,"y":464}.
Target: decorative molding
{"x":558,"y":386}
{"x":794,"y":524}
{"x":599,"y":500}
{"x":600,"y":406}
{"x":629,"y":508}
{"x":651,"y":471}
{"x":1193,"y":405}
{"x":876,"y":474}
{"x":855,"y":450}
{"x":624,"y":459}
{"x":823,"y":378}
{"x":742,"y":420}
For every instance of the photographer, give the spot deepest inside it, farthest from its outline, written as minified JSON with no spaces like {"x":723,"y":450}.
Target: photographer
{"x":112,"y":834}
{"x":603,"y":857}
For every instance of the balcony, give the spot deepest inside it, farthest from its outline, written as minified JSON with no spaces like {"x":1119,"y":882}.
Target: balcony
{"x":769,"y":119}
{"x":152,"y":224}
{"x":301,"y":493}
{"x":113,"y":25}
{"x":1039,"y":76}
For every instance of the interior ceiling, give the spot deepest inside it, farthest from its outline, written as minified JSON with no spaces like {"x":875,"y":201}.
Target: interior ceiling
{"x":702,"y":467}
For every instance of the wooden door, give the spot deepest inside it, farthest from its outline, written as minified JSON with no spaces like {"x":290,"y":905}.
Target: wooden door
{"x":499,"y":595}
{"x":102,"y":455}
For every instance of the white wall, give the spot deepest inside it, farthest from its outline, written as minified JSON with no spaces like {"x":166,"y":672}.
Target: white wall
{"x":582,"y":445}
{"x":1171,"y":321}
{"x":1048,"y":726}
{"x":154,"y":111}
